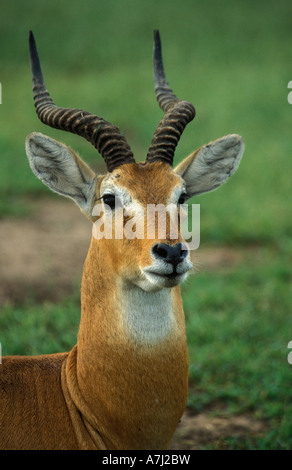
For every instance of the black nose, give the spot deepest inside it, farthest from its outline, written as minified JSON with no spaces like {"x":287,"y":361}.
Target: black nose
{"x":170,"y":254}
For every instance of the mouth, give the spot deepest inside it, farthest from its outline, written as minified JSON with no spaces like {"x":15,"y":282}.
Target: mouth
{"x":161,"y":274}
{"x":165,"y":279}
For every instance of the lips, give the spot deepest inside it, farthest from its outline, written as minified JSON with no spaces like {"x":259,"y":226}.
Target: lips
{"x":165,"y":275}
{"x":165,"y":280}
{"x":168,"y":270}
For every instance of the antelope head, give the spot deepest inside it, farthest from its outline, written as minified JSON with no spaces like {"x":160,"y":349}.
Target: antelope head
{"x":153,"y":263}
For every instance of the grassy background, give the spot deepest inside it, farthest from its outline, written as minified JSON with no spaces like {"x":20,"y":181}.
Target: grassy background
{"x":233,"y":61}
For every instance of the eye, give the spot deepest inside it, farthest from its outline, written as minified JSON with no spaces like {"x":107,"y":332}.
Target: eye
{"x":183,"y":198}
{"x":110,"y":200}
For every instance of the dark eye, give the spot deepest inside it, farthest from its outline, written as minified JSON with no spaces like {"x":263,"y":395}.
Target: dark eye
{"x":182,"y":198}
{"x":109,"y":200}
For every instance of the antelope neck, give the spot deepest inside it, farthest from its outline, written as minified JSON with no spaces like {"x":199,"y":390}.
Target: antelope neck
{"x":128,"y":338}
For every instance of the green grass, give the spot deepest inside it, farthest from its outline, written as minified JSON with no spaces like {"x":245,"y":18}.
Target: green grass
{"x":33,"y":329}
{"x":239,"y":326}
{"x":233,"y":62}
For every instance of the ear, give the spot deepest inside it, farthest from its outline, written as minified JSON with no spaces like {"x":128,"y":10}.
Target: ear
{"x":58,"y":167}
{"x":211,"y":165}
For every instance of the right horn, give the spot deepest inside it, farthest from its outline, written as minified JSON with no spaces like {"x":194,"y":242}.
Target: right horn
{"x":178,"y":113}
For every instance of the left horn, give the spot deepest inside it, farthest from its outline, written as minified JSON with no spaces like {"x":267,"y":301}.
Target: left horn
{"x":178,"y":113}
{"x":105,"y":137}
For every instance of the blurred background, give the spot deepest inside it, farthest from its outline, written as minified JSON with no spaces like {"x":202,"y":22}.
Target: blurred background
{"x":233,"y":61}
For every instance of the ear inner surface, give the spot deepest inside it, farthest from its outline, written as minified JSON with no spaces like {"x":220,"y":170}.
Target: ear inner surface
{"x":59,"y":168}
{"x":210,"y":166}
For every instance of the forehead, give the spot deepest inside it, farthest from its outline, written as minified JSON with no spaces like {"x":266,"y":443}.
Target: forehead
{"x":153,"y":182}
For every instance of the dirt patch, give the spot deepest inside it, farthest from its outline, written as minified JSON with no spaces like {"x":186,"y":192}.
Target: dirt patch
{"x":218,"y":258}
{"x":43,"y":255}
{"x":203,"y":429}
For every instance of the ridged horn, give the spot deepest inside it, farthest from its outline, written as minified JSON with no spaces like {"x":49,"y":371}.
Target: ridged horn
{"x":105,"y":137}
{"x":178,"y":113}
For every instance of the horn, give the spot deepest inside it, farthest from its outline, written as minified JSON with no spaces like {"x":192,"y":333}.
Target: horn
{"x":178,"y":113}
{"x":105,"y":137}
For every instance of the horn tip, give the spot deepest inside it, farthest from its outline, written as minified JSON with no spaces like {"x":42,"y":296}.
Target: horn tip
{"x":34,"y":59}
{"x":32,"y":44}
{"x":157,"y":42}
{"x":157,"y":59}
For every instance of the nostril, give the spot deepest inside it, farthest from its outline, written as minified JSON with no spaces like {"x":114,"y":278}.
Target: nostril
{"x":170,"y":254}
{"x":183,"y":252}
{"x":160,"y":251}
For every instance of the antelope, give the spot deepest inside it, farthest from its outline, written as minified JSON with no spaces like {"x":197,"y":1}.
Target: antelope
{"x":124,"y":385}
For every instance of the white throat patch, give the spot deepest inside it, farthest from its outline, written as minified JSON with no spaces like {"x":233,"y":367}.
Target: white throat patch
{"x":148,"y":316}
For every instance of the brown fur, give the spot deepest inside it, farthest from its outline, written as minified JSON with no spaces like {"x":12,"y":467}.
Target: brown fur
{"x":110,"y":391}
{"x":33,"y":411}
{"x":124,"y":385}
